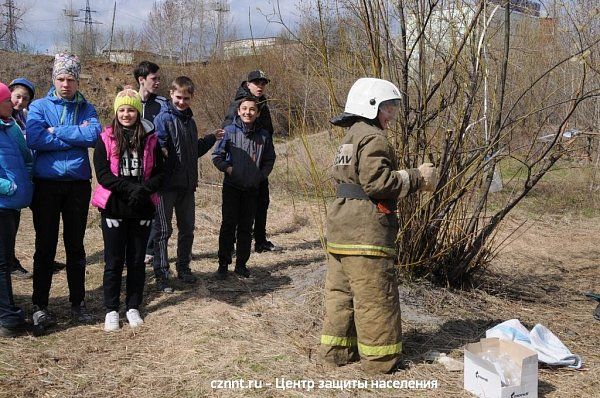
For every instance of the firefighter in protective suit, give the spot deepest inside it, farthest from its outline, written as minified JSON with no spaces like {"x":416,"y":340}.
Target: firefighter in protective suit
{"x":362,"y":308}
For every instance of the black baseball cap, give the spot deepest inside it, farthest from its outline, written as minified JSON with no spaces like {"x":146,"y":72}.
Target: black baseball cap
{"x":258,"y":75}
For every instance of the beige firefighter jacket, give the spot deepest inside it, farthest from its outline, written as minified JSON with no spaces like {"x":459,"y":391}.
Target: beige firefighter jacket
{"x":367,"y":227}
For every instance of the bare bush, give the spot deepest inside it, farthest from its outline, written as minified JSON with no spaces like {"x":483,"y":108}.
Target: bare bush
{"x":481,"y":84}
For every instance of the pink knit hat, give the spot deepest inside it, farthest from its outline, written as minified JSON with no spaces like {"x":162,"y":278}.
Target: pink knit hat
{"x":4,"y":92}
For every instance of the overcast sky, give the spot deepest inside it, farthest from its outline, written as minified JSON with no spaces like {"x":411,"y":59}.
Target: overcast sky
{"x":42,"y":24}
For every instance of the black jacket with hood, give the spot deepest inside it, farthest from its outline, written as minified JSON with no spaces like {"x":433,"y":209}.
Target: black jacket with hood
{"x":152,"y":106}
{"x":264,"y":119}
{"x":177,"y":132}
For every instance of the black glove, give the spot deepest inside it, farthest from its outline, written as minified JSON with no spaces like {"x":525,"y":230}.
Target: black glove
{"x":138,"y":194}
{"x":126,"y":188}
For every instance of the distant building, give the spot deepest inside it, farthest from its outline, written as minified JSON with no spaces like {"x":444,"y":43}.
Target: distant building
{"x":129,"y":57}
{"x":451,"y":18}
{"x":244,"y":47}
{"x":531,"y":7}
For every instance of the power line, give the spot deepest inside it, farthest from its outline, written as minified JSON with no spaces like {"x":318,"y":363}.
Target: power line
{"x":132,"y":15}
{"x":43,"y":20}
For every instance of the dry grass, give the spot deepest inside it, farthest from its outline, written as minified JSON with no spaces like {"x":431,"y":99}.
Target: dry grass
{"x":269,"y":326}
{"x":569,"y":188}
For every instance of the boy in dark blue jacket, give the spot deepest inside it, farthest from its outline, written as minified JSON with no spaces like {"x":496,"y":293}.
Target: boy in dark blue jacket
{"x":246,"y":155}
{"x":256,"y":85}
{"x":178,"y":138}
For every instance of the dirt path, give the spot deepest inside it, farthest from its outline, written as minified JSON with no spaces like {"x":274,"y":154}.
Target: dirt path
{"x":267,"y":328}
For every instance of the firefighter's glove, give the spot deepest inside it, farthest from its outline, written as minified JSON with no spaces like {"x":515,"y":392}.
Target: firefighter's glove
{"x":429,"y":177}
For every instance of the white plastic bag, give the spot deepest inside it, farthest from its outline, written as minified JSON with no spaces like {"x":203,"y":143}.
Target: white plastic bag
{"x":549,"y":348}
{"x":496,"y":185}
{"x":509,"y":371}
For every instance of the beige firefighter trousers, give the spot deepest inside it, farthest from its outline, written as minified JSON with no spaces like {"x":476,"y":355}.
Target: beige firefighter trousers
{"x":362,"y":313}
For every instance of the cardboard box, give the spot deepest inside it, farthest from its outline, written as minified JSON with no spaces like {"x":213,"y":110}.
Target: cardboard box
{"x":482,"y":379}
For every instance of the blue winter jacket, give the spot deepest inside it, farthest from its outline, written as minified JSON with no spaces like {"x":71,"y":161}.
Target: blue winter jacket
{"x":63,"y":154}
{"x":15,"y":167}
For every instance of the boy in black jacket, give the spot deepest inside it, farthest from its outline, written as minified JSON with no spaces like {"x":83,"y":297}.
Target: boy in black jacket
{"x":255,"y":85}
{"x":178,"y":138}
{"x":246,"y":155}
{"x":147,"y":76}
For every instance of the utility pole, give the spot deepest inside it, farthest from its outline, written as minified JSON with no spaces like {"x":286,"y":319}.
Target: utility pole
{"x":89,"y":41}
{"x":221,"y":7}
{"x":10,"y":36}
{"x":71,"y":13}
{"x":112,"y":29}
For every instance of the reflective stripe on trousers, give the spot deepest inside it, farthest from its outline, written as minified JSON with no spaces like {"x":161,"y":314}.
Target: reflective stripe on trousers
{"x":362,"y":311}
{"x":361,"y":250}
{"x":363,"y":349}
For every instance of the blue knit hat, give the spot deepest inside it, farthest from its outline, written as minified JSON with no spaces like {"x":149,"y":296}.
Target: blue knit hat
{"x":21,"y":81}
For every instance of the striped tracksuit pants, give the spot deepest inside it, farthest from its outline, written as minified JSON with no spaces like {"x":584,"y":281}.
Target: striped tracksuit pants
{"x":181,"y":202}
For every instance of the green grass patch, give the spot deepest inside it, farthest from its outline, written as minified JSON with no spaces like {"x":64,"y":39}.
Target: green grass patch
{"x":568,"y":188}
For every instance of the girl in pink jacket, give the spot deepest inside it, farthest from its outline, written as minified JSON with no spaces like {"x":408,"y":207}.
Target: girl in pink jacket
{"x":129,"y":169}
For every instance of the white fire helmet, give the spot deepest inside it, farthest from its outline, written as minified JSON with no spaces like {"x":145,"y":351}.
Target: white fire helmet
{"x":367,"y":93}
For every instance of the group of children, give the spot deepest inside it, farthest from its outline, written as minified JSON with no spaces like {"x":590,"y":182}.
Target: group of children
{"x":146,"y":171}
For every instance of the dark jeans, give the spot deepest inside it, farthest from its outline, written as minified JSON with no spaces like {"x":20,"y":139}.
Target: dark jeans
{"x":238,"y":211}
{"x":10,"y":315}
{"x":151,"y":239}
{"x":124,"y":244}
{"x":185,"y":210}
{"x":260,"y":220}
{"x":15,"y":263}
{"x":51,"y":200}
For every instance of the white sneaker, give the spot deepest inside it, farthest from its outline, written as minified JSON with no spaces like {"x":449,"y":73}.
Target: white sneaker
{"x":134,"y":318}
{"x":111,"y":322}
{"x":148,"y":259}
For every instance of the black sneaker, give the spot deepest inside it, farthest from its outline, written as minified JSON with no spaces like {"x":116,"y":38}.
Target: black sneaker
{"x":242,"y":271}
{"x":80,"y":314}
{"x":13,"y":331}
{"x":162,"y":285}
{"x":57,"y":267}
{"x":148,"y":259}
{"x":20,"y":272}
{"x":187,"y":277}
{"x":221,"y":272}
{"x":266,"y":246}
{"x":42,"y":320}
